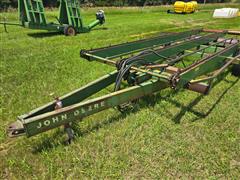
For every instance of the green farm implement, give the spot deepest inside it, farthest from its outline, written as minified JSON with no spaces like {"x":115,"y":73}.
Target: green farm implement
{"x":191,"y":60}
{"x":32,"y":15}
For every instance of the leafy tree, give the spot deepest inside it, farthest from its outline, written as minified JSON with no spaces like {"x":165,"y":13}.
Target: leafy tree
{"x":4,"y":4}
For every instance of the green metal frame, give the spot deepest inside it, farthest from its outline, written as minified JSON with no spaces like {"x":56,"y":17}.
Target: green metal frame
{"x":140,"y":45}
{"x":160,"y":54}
{"x":32,"y":15}
{"x":31,"y":12}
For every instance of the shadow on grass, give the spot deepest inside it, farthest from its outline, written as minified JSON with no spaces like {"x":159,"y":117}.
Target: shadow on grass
{"x":48,"y":143}
{"x":99,"y":28}
{"x":51,"y":34}
{"x":189,"y":108}
{"x":44,"y":34}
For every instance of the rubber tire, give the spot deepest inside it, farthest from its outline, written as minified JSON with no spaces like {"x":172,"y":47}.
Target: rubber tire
{"x":236,"y":70}
{"x":70,"y":31}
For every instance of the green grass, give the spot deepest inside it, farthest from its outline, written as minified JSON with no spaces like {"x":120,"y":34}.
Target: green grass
{"x":181,"y":135}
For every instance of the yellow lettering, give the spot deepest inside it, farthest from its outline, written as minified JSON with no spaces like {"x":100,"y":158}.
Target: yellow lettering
{"x":102,"y":104}
{"x":39,"y":125}
{"x":64,"y":116}
{"x":83,"y":110}
{"x":55,"y":119}
{"x":47,"y":123}
{"x":90,"y":108}
{"x":96,"y":106}
{"x":76,"y":113}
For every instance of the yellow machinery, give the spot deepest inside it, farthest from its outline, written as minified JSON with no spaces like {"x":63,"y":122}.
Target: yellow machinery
{"x":181,"y":7}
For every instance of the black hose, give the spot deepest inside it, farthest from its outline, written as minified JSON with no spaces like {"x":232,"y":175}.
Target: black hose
{"x":125,"y":65}
{"x":123,"y":68}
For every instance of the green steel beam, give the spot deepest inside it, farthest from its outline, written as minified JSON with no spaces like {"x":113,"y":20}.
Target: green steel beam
{"x":206,"y":65}
{"x":135,"y":46}
{"x":48,"y":121}
{"x":76,"y":96}
{"x":163,"y":53}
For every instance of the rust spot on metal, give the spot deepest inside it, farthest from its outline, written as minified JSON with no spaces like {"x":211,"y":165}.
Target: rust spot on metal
{"x":199,"y":87}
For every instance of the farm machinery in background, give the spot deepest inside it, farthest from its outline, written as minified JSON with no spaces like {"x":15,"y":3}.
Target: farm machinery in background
{"x":181,"y":7}
{"x":32,"y":15}
{"x":191,"y":60}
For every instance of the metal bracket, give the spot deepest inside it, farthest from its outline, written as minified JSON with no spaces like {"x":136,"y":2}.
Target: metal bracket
{"x":15,"y":129}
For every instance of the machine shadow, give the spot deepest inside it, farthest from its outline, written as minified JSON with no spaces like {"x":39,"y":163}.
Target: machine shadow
{"x":56,"y":139}
{"x":51,"y":34}
{"x":47,"y":143}
{"x":189,"y":108}
{"x":100,"y":28}
{"x":44,"y":34}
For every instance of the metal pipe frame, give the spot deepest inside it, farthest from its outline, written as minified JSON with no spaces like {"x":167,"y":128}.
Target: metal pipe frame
{"x":217,"y":72}
{"x":154,"y":76}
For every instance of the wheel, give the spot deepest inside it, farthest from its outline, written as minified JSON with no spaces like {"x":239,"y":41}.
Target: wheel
{"x":69,"y":31}
{"x":236,"y":70}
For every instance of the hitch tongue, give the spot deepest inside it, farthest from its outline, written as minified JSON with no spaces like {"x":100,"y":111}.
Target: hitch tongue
{"x":15,"y":129}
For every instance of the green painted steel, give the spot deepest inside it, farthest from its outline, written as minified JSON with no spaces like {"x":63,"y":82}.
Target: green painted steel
{"x":31,"y":12}
{"x":76,"y":112}
{"x":164,"y":54}
{"x":70,"y":13}
{"x":75,"y":96}
{"x":206,"y":65}
{"x":135,"y":46}
{"x":161,"y":55}
{"x":32,"y":15}
{"x":144,"y":79}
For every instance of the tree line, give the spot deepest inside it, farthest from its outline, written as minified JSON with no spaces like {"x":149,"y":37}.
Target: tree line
{"x":5,"y":4}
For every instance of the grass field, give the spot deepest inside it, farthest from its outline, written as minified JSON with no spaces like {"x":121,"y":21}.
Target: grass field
{"x":181,"y":135}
